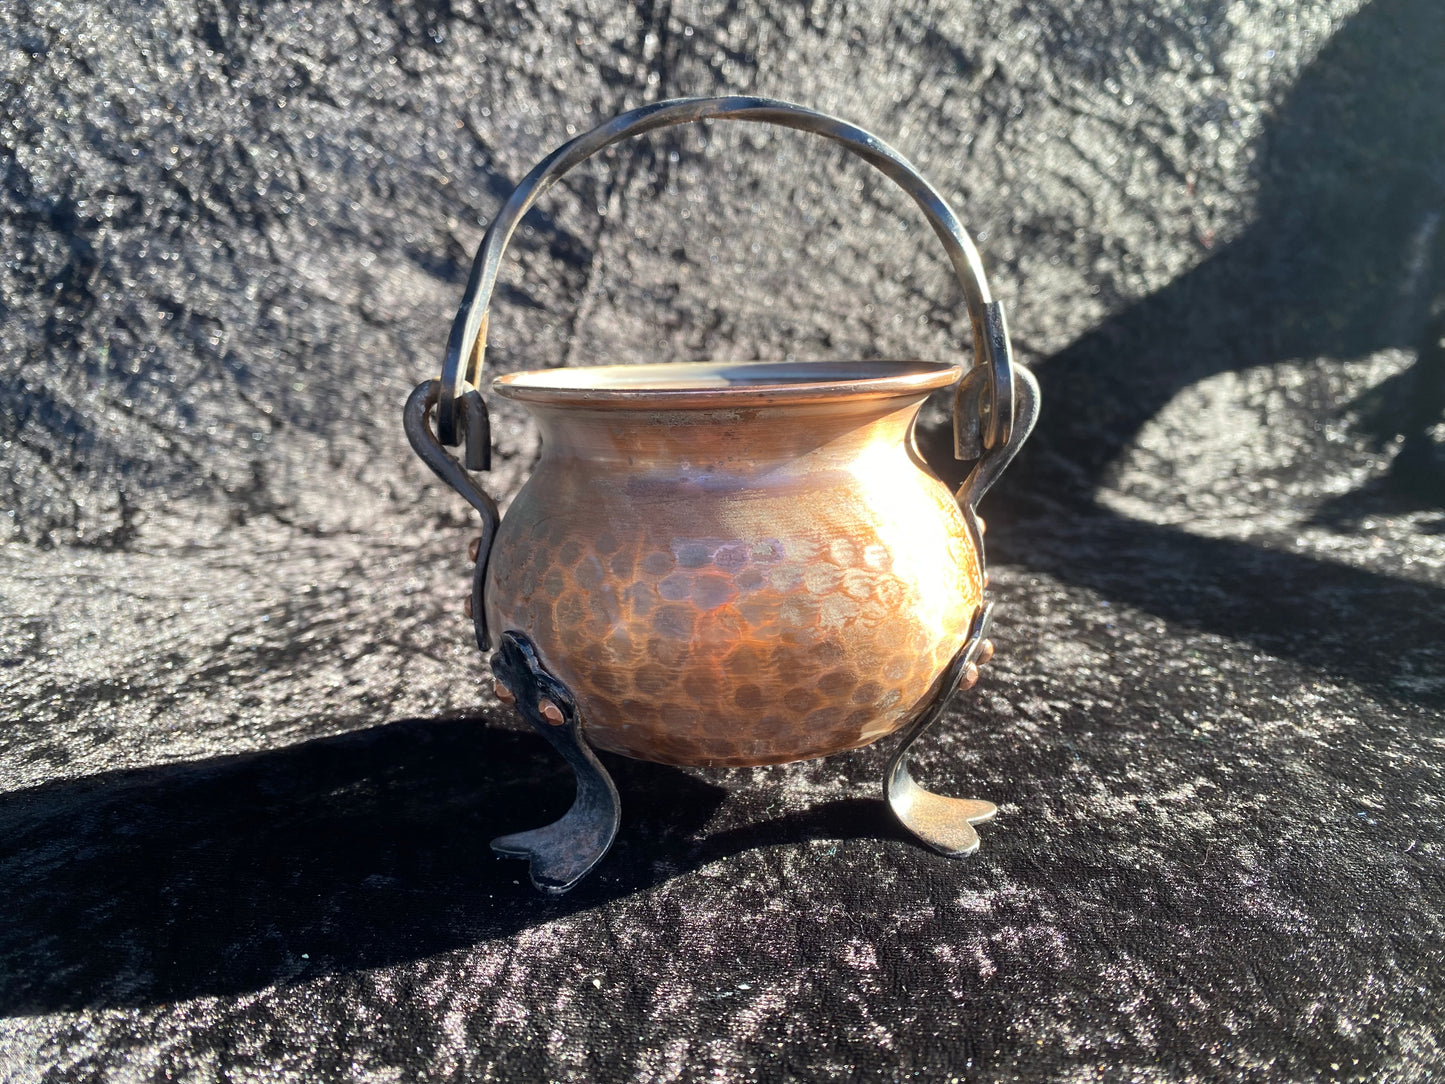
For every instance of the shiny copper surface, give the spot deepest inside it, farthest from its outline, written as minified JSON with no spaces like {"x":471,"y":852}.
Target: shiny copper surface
{"x":735,"y":564}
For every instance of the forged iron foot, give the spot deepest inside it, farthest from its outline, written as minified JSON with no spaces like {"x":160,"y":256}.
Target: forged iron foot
{"x":564,"y":852}
{"x":945,"y":824}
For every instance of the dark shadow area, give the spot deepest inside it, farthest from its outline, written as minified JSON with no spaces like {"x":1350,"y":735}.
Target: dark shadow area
{"x":1408,"y":405}
{"x":1362,"y":626}
{"x":1345,"y":257}
{"x":226,"y":875}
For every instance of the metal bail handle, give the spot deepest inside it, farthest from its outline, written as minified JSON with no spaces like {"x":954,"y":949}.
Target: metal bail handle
{"x":983,"y":407}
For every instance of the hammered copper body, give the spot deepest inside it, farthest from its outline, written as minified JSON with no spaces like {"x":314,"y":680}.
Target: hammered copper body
{"x":741,"y":564}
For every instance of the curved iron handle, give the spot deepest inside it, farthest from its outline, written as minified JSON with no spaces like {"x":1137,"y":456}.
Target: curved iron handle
{"x":989,"y":428}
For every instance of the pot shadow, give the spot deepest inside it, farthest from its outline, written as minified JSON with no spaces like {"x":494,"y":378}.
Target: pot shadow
{"x":229,"y":874}
{"x":1345,"y":258}
{"x":1383,"y":634}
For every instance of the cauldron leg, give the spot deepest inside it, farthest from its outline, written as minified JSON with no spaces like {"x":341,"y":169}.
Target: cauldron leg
{"x":564,"y":852}
{"x":945,"y":824}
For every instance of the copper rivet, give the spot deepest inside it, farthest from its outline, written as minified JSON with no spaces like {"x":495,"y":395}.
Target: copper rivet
{"x":982,"y":526}
{"x":467,"y":606}
{"x":504,"y":694}
{"x":985,"y":652}
{"x":970,"y":678}
{"x":474,"y":549}
{"x":551,"y":712}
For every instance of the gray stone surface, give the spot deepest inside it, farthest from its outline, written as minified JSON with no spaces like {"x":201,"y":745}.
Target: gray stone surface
{"x":247,"y":769}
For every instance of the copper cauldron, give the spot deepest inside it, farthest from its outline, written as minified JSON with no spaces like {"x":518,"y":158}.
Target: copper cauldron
{"x":729,"y":564}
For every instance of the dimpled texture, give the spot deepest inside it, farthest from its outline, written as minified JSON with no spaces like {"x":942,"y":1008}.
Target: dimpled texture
{"x":820,"y":622}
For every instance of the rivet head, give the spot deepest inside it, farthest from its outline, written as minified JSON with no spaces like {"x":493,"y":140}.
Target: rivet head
{"x":467,"y":606}
{"x":504,"y":694}
{"x":982,"y":526}
{"x":985,"y":652}
{"x":551,"y":712}
{"x":970,"y":678}
{"x":474,"y":549}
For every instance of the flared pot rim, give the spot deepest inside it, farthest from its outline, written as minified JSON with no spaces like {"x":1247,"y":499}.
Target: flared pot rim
{"x":713,"y":384}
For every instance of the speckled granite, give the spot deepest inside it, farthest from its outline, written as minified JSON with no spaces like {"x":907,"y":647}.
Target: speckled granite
{"x":248,"y":773}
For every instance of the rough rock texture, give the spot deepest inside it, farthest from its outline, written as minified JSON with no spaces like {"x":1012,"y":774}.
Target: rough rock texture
{"x":247,"y":769}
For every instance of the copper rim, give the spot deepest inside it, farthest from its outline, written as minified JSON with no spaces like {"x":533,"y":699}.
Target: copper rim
{"x":725,"y":384}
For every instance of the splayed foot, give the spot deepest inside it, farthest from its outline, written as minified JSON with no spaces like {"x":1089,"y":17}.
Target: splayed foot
{"x":564,"y":852}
